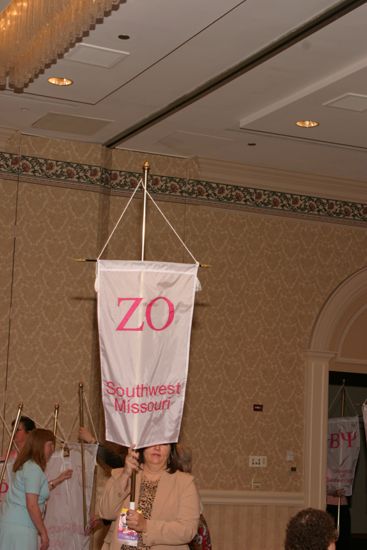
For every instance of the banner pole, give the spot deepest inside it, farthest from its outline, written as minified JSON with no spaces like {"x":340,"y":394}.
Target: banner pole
{"x":146,"y":170}
{"x":146,"y":167}
{"x":133,"y":488}
{"x":342,"y":412}
{"x":81,"y":423}
{"x":15,"y":428}
{"x":343,"y":398}
{"x":56,"y":418}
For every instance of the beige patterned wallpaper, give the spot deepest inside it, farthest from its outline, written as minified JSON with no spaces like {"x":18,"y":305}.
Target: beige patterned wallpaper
{"x":58,"y":149}
{"x":8,"y":192}
{"x":268,"y":278}
{"x":52,"y":338}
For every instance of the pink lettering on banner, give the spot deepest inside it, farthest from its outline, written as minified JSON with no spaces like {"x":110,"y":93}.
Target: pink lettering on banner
{"x":337,"y":438}
{"x":171,"y":313}
{"x":334,"y":441}
{"x":123,"y":396}
{"x":129,"y":313}
{"x":148,"y":314}
{"x":141,"y":390}
{"x":124,"y":406}
{"x":349,"y":436}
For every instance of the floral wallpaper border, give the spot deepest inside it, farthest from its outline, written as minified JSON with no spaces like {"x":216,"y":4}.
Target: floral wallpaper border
{"x":182,"y":188}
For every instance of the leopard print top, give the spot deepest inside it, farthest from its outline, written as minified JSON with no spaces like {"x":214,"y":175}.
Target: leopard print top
{"x":147,"y":494}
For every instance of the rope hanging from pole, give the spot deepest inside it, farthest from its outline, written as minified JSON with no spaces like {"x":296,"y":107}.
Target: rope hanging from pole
{"x":144,"y":184}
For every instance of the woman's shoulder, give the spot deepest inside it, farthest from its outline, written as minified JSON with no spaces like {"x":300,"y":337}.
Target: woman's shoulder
{"x":30,"y":467}
{"x":183,"y":475}
{"x":116,"y":472}
{"x":183,"y":478}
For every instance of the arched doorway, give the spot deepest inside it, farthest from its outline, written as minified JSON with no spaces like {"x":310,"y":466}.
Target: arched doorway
{"x":338,"y":342}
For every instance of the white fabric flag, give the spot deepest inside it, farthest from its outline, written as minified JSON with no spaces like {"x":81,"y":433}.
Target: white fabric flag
{"x":64,"y":515}
{"x":343,"y":452}
{"x":145,"y":313}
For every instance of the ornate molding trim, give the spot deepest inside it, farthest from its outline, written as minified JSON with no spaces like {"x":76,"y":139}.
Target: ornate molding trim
{"x":315,"y":434}
{"x":251,"y":498}
{"x":353,"y":288}
{"x":181,"y":189}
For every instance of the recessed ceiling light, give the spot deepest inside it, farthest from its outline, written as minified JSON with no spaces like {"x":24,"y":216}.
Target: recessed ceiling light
{"x":59,"y":81}
{"x":307,"y":123}
{"x":124,"y":37}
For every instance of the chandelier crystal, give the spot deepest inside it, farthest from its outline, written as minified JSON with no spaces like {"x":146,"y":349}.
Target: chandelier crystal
{"x":35,"y":33}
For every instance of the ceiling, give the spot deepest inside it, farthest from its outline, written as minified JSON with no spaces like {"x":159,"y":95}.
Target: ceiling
{"x":218,"y":79}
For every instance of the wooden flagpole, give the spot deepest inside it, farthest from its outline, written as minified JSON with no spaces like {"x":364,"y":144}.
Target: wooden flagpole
{"x":146,"y":168}
{"x":81,"y":423}
{"x":342,"y":413}
{"x":56,"y":418}
{"x":145,"y":184}
{"x":15,"y":427}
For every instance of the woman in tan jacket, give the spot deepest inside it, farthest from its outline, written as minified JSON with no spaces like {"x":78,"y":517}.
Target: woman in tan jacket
{"x":168,"y":508}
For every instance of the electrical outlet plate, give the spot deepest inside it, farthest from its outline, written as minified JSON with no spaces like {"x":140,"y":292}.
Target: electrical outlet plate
{"x":258,"y":461}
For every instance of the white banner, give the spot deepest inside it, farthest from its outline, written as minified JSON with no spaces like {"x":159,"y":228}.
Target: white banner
{"x":343,"y":452}
{"x":64,"y":516}
{"x":145,"y":313}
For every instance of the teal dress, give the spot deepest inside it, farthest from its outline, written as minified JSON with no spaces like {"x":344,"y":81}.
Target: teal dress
{"x":17,"y":530}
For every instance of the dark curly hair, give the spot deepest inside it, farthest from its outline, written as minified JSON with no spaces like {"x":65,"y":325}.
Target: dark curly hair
{"x":310,"y":529}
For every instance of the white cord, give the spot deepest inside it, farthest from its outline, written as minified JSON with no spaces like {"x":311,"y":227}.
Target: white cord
{"x":120,"y":218}
{"x":140,"y":183}
{"x":171,"y":226}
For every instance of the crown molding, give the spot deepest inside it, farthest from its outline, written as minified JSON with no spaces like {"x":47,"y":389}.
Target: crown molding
{"x":279,"y":180}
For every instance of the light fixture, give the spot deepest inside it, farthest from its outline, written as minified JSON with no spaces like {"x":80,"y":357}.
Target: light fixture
{"x":60,"y":81}
{"x":307,"y":123}
{"x":34,"y":34}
